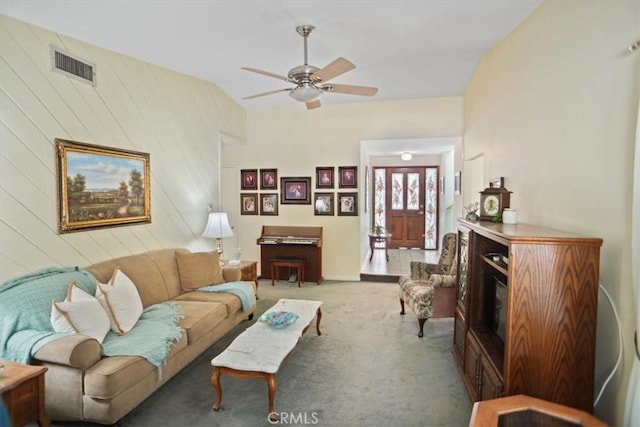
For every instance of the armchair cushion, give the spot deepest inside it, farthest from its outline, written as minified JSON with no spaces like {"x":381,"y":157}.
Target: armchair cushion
{"x":442,"y":280}
{"x":423,"y":270}
{"x":446,"y":262}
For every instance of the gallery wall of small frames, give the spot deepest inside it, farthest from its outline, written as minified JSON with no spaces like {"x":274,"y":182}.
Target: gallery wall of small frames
{"x":262,"y":192}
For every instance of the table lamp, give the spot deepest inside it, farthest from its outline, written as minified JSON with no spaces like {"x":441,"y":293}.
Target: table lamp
{"x":217,"y":227}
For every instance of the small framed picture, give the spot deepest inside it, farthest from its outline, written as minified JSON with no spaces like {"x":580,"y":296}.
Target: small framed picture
{"x":249,"y":179}
{"x":268,"y":179}
{"x":348,"y":176}
{"x":248,"y":204}
{"x":348,"y":204}
{"x":496,"y":182}
{"x":268,"y":203}
{"x":324,"y":203}
{"x":324,"y":177}
{"x":457,"y":183}
{"x":295,"y":191}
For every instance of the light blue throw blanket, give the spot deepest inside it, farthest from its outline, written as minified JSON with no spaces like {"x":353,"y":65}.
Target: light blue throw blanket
{"x":25,"y":325}
{"x":243,"y":290}
{"x":25,"y":309}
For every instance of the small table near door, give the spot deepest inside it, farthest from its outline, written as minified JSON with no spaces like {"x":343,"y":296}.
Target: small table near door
{"x":383,"y":238}
{"x":22,"y":388}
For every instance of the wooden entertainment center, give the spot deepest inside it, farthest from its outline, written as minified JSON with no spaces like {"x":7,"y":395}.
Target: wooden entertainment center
{"x":526,"y":309}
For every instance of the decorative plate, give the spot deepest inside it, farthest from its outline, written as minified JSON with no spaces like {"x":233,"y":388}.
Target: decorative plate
{"x":279,"y":319}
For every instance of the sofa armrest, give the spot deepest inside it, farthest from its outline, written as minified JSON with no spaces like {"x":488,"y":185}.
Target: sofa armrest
{"x":231,"y":273}
{"x":78,"y":351}
{"x":442,"y":281}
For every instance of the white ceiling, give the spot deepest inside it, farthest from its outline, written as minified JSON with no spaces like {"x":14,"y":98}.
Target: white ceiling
{"x":408,"y":49}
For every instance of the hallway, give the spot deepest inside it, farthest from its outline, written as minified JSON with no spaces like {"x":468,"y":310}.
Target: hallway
{"x":379,"y":270}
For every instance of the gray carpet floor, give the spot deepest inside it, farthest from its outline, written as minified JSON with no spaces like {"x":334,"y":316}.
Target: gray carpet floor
{"x":368,"y":368}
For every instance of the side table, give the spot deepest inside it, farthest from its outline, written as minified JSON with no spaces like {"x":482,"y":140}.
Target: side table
{"x":22,"y":388}
{"x":383,"y":238}
{"x":249,"y":270}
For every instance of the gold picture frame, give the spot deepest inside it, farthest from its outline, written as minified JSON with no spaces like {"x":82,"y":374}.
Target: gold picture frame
{"x":101,"y":187}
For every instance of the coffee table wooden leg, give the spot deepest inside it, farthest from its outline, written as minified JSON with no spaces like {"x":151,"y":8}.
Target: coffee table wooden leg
{"x":318,"y":317}
{"x":215,"y":381}
{"x":271,"y":384}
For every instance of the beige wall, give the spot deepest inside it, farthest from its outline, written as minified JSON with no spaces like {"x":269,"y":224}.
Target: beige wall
{"x":295,"y":141}
{"x":135,"y":105}
{"x":553,"y":109}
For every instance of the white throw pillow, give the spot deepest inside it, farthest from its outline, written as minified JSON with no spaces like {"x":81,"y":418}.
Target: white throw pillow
{"x":80,"y":313}
{"x":121,"y":301}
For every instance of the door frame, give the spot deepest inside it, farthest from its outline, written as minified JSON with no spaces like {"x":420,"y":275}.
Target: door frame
{"x":437,"y":167}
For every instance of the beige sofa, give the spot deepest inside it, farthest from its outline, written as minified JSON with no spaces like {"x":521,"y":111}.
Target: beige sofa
{"x":83,"y":386}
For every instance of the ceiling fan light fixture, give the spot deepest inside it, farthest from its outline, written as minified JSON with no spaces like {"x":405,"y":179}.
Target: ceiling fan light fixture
{"x":406,"y":156}
{"x":306,"y":93}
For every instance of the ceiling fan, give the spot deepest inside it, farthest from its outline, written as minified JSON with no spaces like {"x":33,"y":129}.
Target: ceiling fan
{"x":310,"y":81}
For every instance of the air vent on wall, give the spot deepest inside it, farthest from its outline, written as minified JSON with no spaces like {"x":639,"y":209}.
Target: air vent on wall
{"x":73,"y":67}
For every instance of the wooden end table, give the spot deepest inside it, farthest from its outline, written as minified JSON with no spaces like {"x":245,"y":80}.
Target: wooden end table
{"x":22,"y":388}
{"x":249,"y":271}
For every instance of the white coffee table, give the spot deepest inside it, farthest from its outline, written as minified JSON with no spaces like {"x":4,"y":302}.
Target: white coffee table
{"x":259,"y":351}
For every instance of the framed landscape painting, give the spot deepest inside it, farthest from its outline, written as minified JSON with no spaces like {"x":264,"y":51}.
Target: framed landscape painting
{"x":101,"y":186}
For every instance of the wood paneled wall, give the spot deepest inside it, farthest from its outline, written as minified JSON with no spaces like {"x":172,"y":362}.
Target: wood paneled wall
{"x":135,"y":105}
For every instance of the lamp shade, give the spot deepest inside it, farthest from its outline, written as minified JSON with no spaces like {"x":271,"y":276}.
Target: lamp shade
{"x":406,"y":156}
{"x":217,"y":226}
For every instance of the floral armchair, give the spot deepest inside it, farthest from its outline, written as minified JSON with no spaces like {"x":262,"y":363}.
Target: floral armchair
{"x":430,"y":290}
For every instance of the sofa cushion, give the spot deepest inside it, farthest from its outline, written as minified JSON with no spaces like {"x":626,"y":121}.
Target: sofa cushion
{"x":200,"y":317}
{"x":232,"y":302}
{"x":155,"y":274}
{"x":121,"y":301}
{"x":111,"y":375}
{"x":80,"y":313}
{"x":199,"y":269}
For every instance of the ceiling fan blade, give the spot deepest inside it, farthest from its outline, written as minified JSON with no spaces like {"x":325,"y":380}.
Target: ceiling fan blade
{"x":351,"y":89}
{"x":313,"y":104}
{"x":266,"y":73}
{"x":336,"y":68}
{"x":265,"y":93}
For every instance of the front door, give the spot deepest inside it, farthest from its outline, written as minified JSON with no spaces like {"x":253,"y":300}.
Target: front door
{"x":405,"y":206}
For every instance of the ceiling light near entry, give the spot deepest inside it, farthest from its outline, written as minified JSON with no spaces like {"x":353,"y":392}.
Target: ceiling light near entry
{"x":306,"y":93}
{"x":406,"y":156}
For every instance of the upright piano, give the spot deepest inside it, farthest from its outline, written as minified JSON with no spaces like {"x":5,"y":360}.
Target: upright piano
{"x":292,"y":241}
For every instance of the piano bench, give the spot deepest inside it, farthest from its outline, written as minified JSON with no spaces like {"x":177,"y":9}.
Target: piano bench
{"x":297,"y":263}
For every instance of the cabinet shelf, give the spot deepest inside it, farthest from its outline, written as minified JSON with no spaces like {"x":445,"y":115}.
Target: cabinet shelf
{"x":500,"y":266}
